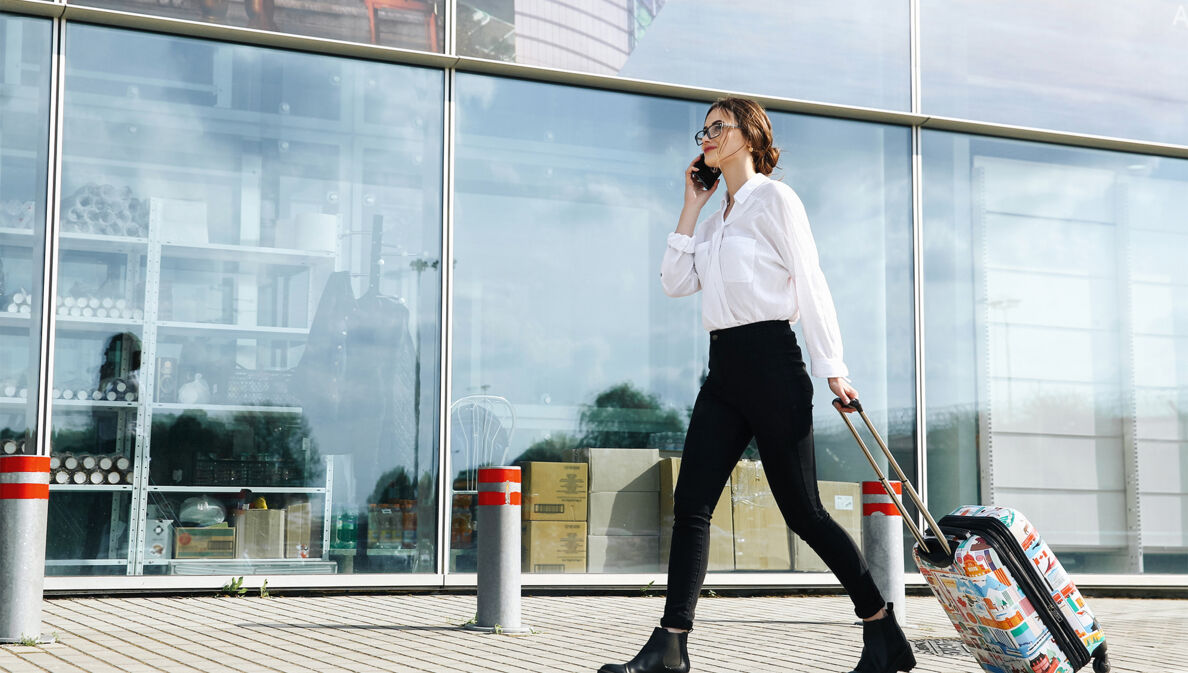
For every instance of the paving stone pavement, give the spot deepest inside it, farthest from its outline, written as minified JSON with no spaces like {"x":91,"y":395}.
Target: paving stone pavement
{"x":420,"y":632}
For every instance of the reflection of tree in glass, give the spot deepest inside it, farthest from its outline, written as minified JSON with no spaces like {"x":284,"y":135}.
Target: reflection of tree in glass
{"x":392,"y":486}
{"x":623,"y":417}
{"x":555,"y":448}
{"x":246,"y":449}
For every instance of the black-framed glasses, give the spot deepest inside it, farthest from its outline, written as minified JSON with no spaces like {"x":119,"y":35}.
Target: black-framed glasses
{"x":713,"y":131}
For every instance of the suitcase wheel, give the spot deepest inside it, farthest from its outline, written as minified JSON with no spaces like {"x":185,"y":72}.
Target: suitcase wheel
{"x":1101,"y":664}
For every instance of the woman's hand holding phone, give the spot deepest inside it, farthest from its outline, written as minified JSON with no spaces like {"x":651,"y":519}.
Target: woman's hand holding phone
{"x":695,"y":195}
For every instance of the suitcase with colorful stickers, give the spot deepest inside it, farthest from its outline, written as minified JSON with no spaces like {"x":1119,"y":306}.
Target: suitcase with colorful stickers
{"x":1004,"y":590}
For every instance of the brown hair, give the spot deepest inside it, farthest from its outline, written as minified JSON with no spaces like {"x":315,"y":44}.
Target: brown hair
{"x":756,"y":129}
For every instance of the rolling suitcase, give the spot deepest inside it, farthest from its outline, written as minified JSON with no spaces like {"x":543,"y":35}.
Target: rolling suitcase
{"x":1002,"y":587}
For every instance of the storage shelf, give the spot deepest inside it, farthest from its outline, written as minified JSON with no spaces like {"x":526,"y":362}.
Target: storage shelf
{"x":13,"y":401}
{"x":83,"y":242}
{"x":87,"y":562}
{"x":87,"y":404}
{"x":97,"y":488}
{"x":14,"y":319}
{"x":229,"y":561}
{"x":247,"y":330}
{"x":14,"y":235}
{"x":81,"y":324}
{"x":225,"y":408}
{"x":380,"y":551}
{"x":238,"y":253}
{"x":236,"y":489}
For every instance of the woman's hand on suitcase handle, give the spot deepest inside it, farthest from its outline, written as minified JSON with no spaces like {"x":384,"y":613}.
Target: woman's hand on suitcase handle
{"x":847,"y":397}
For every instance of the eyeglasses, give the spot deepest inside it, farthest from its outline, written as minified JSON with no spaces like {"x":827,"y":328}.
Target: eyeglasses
{"x":713,"y":131}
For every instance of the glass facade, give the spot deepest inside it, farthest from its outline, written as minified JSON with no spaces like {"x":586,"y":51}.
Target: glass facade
{"x":1055,"y":329}
{"x":408,"y":24}
{"x":250,"y":246}
{"x":563,"y":198}
{"x":248,"y":311}
{"x":853,"y":52}
{"x":1097,"y":66}
{"x":24,"y":151}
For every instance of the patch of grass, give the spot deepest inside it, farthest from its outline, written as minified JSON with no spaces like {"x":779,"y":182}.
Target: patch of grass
{"x":264,"y":590}
{"x":28,"y":641}
{"x":498,"y":629}
{"x":233,"y":588}
{"x":646,"y":588}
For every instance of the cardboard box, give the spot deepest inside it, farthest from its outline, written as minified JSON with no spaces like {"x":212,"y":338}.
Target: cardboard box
{"x":625,"y":513}
{"x":721,"y":524}
{"x":209,"y":542}
{"x":554,"y":491}
{"x":843,"y":501}
{"x":618,"y":470}
{"x":260,"y":534}
{"x":761,"y":538}
{"x":623,"y":553}
{"x":553,"y":546}
{"x":158,"y":540}
{"x":180,"y":221}
{"x":298,"y":529}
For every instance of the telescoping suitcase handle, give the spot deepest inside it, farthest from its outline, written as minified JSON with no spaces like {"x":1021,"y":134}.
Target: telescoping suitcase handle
{"x":936,"y":531}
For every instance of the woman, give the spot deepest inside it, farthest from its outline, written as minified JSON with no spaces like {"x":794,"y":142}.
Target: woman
{"x":755,"y":262}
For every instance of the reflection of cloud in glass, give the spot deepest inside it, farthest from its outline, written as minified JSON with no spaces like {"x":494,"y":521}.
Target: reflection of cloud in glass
{"x":854,"y":52}
{"x":1100,"y":67}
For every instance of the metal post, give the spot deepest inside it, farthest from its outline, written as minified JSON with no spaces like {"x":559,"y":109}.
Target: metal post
{"x":24,"y":510}
{"x":882,"y":542}
{"x":499,"y":551}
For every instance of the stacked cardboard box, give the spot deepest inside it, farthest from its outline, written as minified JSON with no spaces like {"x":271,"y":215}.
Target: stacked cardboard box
{"x":260,"y":534}
{"x":216,"y":541}
{"x":298,"y":527}
{"x":553,"y":533}
{"x":624,"y":509}
{"x":761,"y":538}
{"x":721,"y":525}
{"x":843,"y":500}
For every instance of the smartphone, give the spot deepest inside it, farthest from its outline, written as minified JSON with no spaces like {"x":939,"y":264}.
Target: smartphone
{"x":704,"y":174}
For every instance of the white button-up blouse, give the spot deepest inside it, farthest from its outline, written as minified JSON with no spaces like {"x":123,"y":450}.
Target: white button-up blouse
{"x":760,"y":263}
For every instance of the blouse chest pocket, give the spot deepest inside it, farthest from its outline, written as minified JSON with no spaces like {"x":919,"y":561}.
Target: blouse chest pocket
{"x":738,"y":259}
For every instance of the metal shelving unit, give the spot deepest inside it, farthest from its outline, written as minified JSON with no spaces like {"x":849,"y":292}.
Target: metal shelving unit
{"x":141,"y":260}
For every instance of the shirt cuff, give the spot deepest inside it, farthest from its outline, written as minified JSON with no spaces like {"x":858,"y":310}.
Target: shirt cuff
{"x":827,"y":369}
{"x":680,"y":242}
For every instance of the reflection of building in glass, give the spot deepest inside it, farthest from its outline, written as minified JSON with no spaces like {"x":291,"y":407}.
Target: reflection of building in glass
{"x":593,"y":37}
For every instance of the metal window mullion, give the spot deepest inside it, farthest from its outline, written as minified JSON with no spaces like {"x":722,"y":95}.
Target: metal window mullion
{"x":445,"y":502}
{"x":44,"y":417}
{"x":914,"y":42}
{"x":918,"y":318}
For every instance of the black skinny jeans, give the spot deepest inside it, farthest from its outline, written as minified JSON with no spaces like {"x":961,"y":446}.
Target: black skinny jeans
{"x":757,"y":387}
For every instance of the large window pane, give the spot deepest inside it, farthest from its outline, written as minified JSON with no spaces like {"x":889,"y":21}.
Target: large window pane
{"x":565,"y":348}
{"x":854,"y":52}
{"x":408,"y":24}
{"x":24,"y":146}
{"x":1097,"y":66}
{"x":248,"y":309}
{"x":1055,"y":344}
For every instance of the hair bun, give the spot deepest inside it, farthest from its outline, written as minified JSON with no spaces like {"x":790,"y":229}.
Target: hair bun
{"x":766,"y":160}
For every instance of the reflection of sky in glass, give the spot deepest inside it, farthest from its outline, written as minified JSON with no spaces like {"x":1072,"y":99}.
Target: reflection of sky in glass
{"x":564,"y":201}
{"x":1051,"y":298}
{"x":1097,"y":66}
{"x":853,"y":52}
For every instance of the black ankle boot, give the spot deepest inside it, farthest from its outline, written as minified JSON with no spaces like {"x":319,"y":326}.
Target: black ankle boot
{"x":884,"y":647}
{"x":665,"y":652}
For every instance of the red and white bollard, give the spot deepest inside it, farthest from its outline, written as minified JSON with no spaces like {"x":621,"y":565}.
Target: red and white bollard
{"x":882,"y":542}
{"x":499,"y":551}
{"x":24,"y":510}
